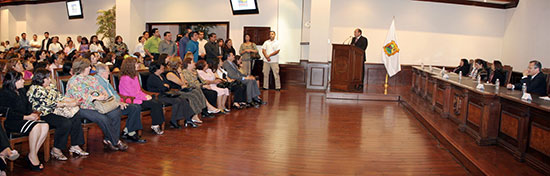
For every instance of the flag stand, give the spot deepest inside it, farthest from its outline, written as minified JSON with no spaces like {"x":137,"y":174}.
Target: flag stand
{"x":386,"y":85}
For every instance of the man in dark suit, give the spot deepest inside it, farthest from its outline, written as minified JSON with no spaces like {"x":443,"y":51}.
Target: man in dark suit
{"x":252,"y":89}
{"x":360,"y":42}
{"x":46,"y":42}
{"x":534,"y":78}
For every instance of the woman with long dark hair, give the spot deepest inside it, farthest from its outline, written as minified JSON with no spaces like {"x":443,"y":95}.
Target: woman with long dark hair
{"x":497,"y":72}
{"x":464,"y":67}
{"x":21,"y":118}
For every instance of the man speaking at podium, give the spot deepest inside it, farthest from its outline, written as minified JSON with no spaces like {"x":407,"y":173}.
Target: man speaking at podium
{"x":360,"y":42}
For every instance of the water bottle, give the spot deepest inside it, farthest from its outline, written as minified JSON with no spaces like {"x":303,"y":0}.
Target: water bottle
{"x":460,"y":75}
{"x":478,"y":79}
{"x":524,"y":88}
{"x":497,"y":84}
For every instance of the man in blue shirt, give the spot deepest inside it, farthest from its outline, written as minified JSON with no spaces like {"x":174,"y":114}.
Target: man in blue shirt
{"x":183,"y":43}
{"x":193,"y":46}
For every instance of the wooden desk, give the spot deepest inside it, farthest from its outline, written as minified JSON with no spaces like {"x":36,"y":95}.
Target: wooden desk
{"x":490,"y":116}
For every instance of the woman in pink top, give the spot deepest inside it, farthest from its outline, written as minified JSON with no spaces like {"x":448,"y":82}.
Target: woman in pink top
{"x":206,"y":73}
{"x":129,"y":86}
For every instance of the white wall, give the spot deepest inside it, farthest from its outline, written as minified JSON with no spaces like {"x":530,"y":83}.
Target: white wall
{"x":433,"y":33}
{"x":527,"y":34}
{"x":52,"y":17}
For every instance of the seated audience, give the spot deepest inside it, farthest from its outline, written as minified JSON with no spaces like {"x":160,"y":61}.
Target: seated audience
{"x":84,"y":46}
{"x":45,"y":98}
{"x":129,"y":86}
{"x":252,"y":89}
{"x":17,"y":66}
{"x":56,"y":62}
{"x":174,"y":78}
{"x":238,"y":89}
{"x":70,"y":48}
{"x":139,"y":47}
{"x":480,"y":69}
{"x":86,"y":89}
{"x":95,"y":45}
{"x":190,"y":75}
{"x":27,"y":65}
{"x":180,"y":106}
{"x":533,"y":78}
{"x":133,"y":111}
{"x":497,"y":72}
{"x":21,"y":118}
{"x":464,"y":67}
{"x":209,"y":78}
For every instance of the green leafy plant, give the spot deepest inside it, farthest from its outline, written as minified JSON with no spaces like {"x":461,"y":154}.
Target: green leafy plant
{"x":106,"y":21}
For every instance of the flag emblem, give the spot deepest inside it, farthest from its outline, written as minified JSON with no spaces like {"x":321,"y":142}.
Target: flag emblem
{"x":391,"y":48}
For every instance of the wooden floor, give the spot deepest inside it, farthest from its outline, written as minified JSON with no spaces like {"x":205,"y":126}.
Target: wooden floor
{"x":298,"y":133}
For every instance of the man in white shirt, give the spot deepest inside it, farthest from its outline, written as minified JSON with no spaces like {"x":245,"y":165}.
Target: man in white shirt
{"x":24,"y":43}
{"x":35,"y":44}
{"x":78,"y":42}
{"x":202,"y":42}
{"x":270,"y":50}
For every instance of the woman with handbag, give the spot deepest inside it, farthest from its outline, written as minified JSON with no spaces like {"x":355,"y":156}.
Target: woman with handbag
{"x":20,"y":117}
{"x":181,"y":107}
{"x":248,"y":51}
{"x":95,"y":105}
{"x":174,"y":78}
{"x":238,"y":89}
{"x":209,"y":78}
{"x":59,"y":112}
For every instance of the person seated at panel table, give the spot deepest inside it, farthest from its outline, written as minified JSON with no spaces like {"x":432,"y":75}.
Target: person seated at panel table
{"x":480,"y":69}
{"x":497,"y":72}
{"x":534,"y":78}
{"x":464,"y":67}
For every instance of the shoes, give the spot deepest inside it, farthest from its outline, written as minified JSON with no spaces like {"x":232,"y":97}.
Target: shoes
{"x":259,"y":101}
{"x":254,"y":104}
{"x":108,"y":145}
{"x":175,"y":125}
{"x":278,"y":90}
{"x":135,"y":138}
{"x":191,"y":124}
{"x":207,"y":115}
{"x":14,"y":155}
{"x":34,"y":167}
{"x":58,"y":156}
{"x":77,"y":150}
{"x":197,"y":121}
{"x":157,"y":130}
{"x":226,"y":110}
{"x":265,"y":88}
{"x":122,"y":146}
{"x":214,"y":111}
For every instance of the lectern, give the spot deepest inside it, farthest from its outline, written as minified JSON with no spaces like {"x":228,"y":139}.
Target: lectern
{"x":347,"y":68}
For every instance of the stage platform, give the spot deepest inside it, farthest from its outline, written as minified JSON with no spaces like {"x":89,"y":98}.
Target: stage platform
{"x":370,"y":93}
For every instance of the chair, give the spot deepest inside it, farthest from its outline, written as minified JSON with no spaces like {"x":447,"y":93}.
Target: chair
{"x":509,"y":71}
{"x":546,"y":71}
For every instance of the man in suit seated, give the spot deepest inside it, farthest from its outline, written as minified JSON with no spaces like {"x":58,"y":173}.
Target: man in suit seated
{"x":252,"y":89}
{"x":534,"y":78}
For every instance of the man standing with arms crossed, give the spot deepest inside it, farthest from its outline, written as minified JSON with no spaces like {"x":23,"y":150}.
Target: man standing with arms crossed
{"x":270,"y":50}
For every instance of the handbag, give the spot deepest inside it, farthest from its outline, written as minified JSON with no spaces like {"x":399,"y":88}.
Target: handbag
{"x":106,"y":106}
{"x":171,"y":94}
{"x":67,"y":111}
{"x":255,"y":56}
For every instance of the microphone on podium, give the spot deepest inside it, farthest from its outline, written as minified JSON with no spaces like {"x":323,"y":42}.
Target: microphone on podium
{"x":347,"y":39}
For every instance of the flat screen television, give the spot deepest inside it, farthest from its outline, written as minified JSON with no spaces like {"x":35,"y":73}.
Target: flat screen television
{"x":241,"y":7}
{"x":74,"y":9}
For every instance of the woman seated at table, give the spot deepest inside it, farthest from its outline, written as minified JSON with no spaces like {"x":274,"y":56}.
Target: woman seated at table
{"x":497,"y":72}
{"x":86,"y":89}
{"x":209,"y":78}
{"x":181,"y":107}
{"x":21,"y":118}
{"x":44,"y":98}
{"x":174,"y":78}
{"x":464,"y":67}
{"x":238,"y":89}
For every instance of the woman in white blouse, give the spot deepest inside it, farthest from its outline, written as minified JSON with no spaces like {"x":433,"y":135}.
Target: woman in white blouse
{"x":139,"y":47}
{"x":55,"y":46}
{"x":95,"y":46}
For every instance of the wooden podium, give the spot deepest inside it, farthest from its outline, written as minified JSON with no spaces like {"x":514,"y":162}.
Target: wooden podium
{"x":347,"y":68}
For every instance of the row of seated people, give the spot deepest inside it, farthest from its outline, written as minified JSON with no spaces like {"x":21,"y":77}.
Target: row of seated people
{"x":192,"y":93}
{"x":533,"y":77}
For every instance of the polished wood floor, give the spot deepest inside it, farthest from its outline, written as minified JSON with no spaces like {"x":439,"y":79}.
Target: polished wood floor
{"x":298,"y":133}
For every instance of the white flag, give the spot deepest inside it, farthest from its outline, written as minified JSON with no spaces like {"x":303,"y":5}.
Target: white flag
{"x":390,"y":52}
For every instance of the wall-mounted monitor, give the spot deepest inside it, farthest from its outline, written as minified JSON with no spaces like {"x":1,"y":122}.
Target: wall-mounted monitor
{"x":74,"y":9}
{"x":240,"y":7}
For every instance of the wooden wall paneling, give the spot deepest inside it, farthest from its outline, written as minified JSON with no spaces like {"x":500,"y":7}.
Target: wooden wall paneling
{"x":538,"y":150}
{"x":317,"y":75}
{"x":258,"y":35}
{"x":513,"y":128}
